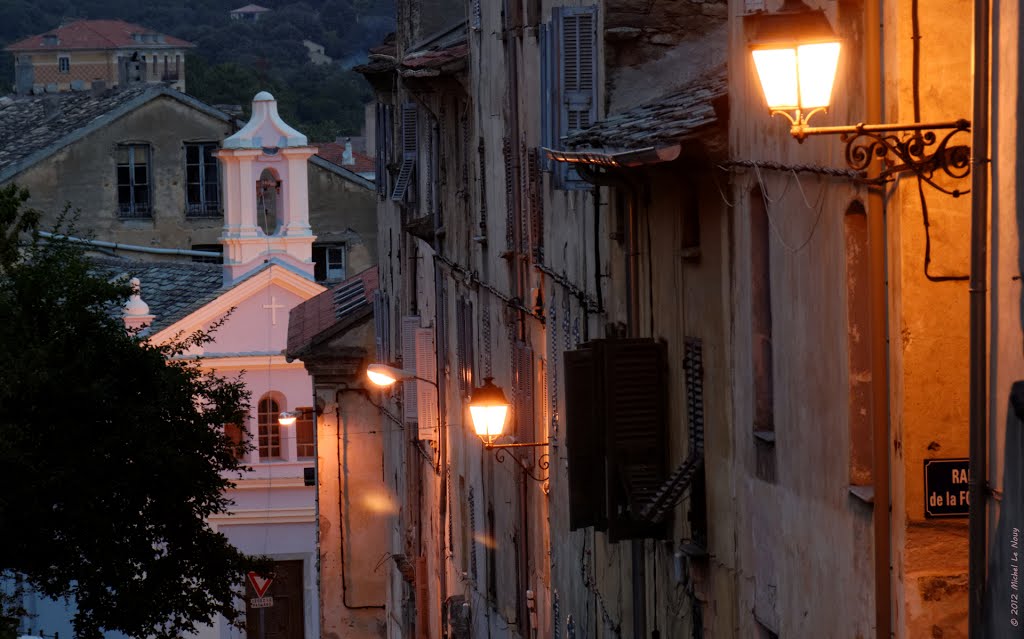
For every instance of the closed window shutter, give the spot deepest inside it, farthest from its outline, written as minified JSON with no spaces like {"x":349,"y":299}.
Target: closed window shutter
{"x":410,"y":324}
{"x":536,"y":204}
{"x":426,"y":393}
{"x":577,"y":78}
{"x":405,"y":184}
{"x":547,"y":101}
{"x":635,"y":393}
{"x":525,"y":417}
{"x":506,"y":152}
{"x":464,"y":345}
{"x":380,"y":160}
{"x":382,"y":326}
{"x":584,"y":440}
{"x":475,"y":17}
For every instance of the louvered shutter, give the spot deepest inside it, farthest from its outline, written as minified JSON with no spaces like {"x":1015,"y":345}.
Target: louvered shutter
{"x":635,"y":393}
{"x":426,"y":393}
{"x":584,"y":440}
{"x":577,"y":77}
{"x":506,"y":152}
{"x":386,"y":338}
{"x":464,"y":344}
{"x":547,"y":101}
{"x":475,"y":16}
{"x":378,"y":324}
{"x":380,"y":161}
{"x":536,"y":204}
{"x":405,"y":184}
{"x":525,"y":409}
{"x":410,"y":324}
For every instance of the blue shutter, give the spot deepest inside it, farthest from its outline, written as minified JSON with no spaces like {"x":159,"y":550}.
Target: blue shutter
{"x":576,"y":33}
{"x":547,"y":101}
{"x":406,"y":175}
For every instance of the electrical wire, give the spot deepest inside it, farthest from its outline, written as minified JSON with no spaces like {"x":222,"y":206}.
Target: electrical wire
{"x":928,"y":242}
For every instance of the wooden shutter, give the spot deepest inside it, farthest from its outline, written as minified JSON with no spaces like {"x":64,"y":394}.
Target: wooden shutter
{"x":382,"y":326}
{"x":464,"y":344}
{"x":406,"y":174}
{"x":506,"y":152}
{"x":380,"y":161}
{"x":536,"y":204}
{"x":576,"y":69}
{"x":635,"y":393}
{"x":475,"y":16}
{"x":547,"y":101}
{"x":426,"y":393}
{"x":524,"y":408}
{"x":584,"y":440}
{"x":410,"y":324}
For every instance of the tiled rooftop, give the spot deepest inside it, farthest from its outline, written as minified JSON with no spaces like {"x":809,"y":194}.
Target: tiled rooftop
{"x":320,"y":317}
{"x":334,"y":153}
{"x":97,"y":34}
{"x":671,"y":118}
{"x":172,"y":290}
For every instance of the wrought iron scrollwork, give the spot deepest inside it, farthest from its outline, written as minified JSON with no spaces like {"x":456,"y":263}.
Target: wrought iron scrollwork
{"x":543,"y":462}
{"x":921,"y":152}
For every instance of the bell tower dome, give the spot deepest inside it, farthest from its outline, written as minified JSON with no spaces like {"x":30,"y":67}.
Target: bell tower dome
{"x":266,"y":194}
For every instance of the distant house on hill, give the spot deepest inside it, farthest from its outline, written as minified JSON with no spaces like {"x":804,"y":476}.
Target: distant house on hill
{"x":316,"y":52}
{"x":250,"y":12}
{"x":97,"y":53}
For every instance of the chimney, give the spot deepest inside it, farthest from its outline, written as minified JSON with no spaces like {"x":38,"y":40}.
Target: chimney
{"x":136,"y":311}
{"x":347,"y":159}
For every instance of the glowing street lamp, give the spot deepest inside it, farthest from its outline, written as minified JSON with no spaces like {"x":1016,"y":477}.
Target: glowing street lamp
{"x":796,"y":54}
{"x":488,"y":408}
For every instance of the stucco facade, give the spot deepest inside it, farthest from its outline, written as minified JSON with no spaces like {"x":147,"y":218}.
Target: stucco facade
{"x":78,"y":165}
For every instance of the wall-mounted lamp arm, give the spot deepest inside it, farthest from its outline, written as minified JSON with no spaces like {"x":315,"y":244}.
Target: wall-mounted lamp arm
{"x":543,"y":462}
{"x":916,"y":147}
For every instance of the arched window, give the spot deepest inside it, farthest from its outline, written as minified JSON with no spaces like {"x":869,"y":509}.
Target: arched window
{"x":268,"y":190}
{"x":269,"y":429}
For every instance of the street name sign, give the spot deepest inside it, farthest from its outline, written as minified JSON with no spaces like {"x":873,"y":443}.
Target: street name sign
{"x":946,"y":487}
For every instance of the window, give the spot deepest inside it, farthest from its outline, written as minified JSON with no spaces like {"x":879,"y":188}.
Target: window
{"x":761,"y":335}
{"x":237,"y":436}
{"x":269,"y":429}
{"x":329,"y":262}
{"x":268,"y":190}
{"x":133,"y":196}
{"x":855,"y":225}
{"x":405,"y":183}
{"x":385,"y":113}
{"x":64,"y":63}
{"x":568,"y":82}
{"x":616,"y":427}
{"x":304,"y":433}
{"x":202,"y":180}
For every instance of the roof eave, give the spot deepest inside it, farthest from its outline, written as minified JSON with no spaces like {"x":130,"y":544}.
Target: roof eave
{"x":620,"y":158}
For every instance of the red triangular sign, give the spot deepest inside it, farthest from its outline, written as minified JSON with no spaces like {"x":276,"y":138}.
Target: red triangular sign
{"x":259,"y":583}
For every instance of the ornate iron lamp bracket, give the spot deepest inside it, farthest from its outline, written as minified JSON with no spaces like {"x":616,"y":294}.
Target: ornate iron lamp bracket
{"x":543,"y":462}
{"x":905,"y":148}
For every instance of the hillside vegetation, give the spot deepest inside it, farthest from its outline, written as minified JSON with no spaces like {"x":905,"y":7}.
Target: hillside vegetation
{"x":233,"y":59}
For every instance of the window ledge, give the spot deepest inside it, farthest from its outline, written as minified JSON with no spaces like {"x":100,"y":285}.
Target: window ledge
{"x":766,"y":436}
{"x":865,"y":494}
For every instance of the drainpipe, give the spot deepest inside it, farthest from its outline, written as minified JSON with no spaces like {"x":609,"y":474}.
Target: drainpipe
{"x":879,"y":334}
{"x":978,"y":476}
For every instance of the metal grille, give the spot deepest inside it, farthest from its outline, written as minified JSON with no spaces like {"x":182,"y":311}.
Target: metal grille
{"x":553,"y":354}
{"x":471,"y":498}
{"x":506,"y":152}
{"x":485,"y":325}
{"x":348,"y":298}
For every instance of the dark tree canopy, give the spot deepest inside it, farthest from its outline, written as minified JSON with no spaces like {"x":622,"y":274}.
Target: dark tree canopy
{"x":113,"y":452}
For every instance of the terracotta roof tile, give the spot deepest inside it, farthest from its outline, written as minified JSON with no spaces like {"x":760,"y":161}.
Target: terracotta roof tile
{"x":97,"y":34}
{"x":318,"y":317}
{"x":334,"y":153}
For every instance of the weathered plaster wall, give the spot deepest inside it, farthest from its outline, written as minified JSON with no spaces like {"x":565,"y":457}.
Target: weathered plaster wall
{"x":342,"y":211}
{"x":355,"y":505}
{"x":84,"y":175}
{"x":801,"y":532}
{"x":930,"y":351}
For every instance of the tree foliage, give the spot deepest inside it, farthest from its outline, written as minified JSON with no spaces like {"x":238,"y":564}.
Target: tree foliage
{"x":112,"y":448}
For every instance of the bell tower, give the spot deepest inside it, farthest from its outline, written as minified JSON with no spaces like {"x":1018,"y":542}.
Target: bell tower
{"x":266,"y":194}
